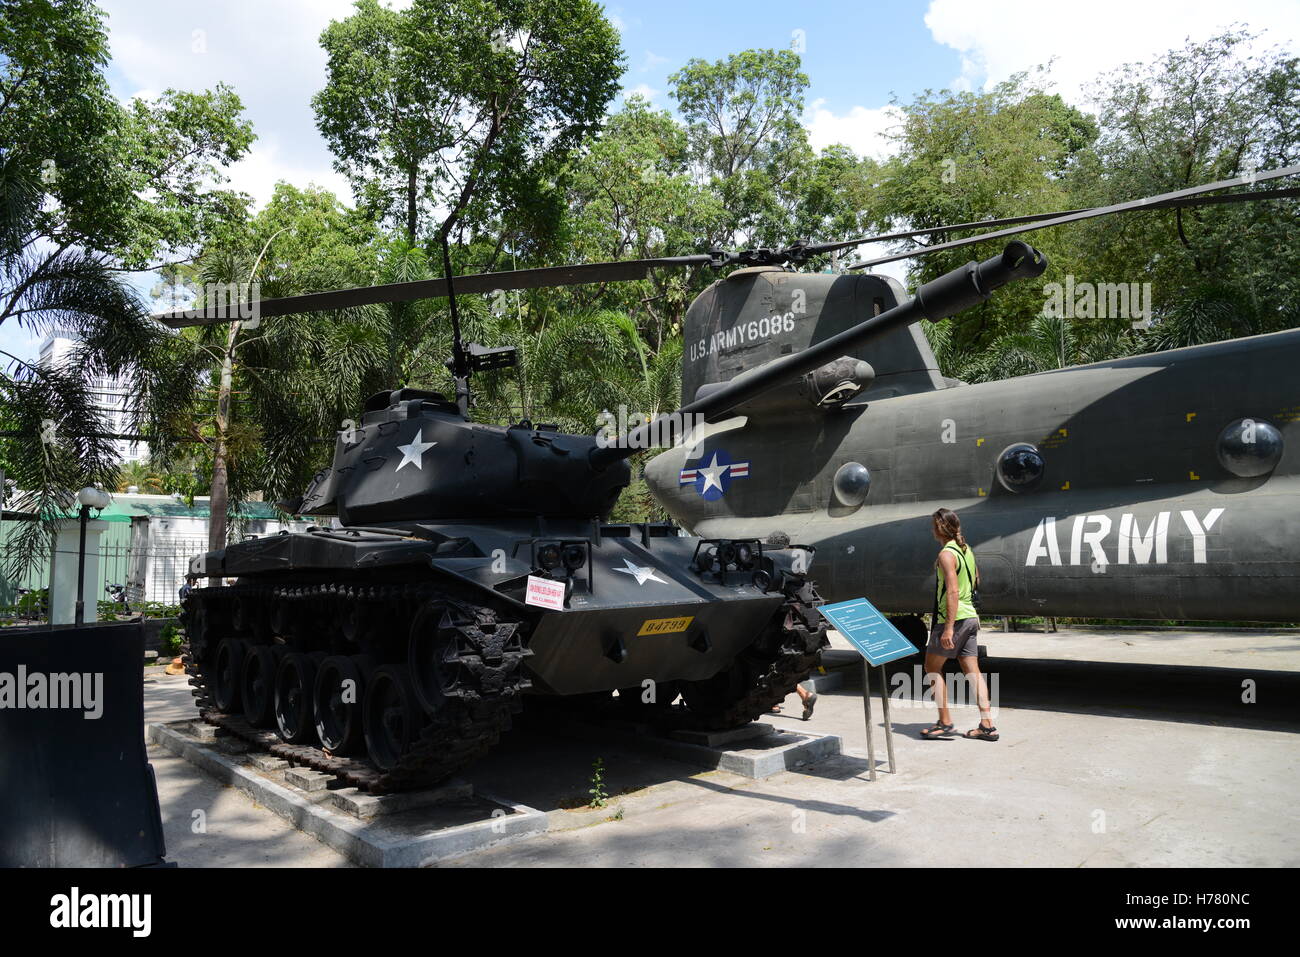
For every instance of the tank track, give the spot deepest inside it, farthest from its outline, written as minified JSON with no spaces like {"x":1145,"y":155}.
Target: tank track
{"x":802,"y":635}
{"x":466,"y":727}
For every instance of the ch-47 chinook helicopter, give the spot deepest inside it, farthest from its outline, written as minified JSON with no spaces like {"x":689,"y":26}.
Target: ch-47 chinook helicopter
{"x":1158,"y":486}
{"x":471,"y":563}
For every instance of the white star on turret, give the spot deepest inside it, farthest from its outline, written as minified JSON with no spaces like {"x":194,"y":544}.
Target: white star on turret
{"x":413,"y":453}
{"x":712,"y":472}
{"x":642,"y":575}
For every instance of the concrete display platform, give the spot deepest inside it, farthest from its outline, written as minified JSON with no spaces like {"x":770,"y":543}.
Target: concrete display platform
{"x":755,"y":751}
{"x":402,"y":830}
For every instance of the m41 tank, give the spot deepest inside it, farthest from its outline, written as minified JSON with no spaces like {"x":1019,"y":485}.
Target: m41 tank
{"x":392,"y":648}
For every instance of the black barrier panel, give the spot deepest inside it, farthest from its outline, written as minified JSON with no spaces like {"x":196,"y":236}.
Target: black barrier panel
{"x":76,"y":787}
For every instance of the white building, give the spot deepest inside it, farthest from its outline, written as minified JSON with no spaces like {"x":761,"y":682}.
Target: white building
{"x":110,"y":395}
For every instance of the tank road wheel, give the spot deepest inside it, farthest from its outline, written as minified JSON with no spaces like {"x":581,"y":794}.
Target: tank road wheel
{"x":433,"y":658}
{"x":340,"y":692}
{"x":356,"y":621}
{"x":243,"y":613}
{"x":257,"y":684}
{"x":392,"y":716}
{"x":226,"y":674}
{"x":281,"y":619}
{"x":295,"y":682}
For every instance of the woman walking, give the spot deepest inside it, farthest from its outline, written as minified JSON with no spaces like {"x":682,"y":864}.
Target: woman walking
{"x":955,"y":625}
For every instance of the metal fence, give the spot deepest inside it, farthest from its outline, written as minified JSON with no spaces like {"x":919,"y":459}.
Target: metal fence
{"x":151,"y":571}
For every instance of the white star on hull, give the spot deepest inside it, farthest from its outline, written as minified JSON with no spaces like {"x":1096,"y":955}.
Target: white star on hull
{"x":413,"y":453}
{"x":642,"y":575}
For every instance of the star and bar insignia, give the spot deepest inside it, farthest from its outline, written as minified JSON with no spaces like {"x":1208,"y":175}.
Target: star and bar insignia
{"x":713,"y":479}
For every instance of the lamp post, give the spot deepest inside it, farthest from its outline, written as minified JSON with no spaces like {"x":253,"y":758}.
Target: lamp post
{"x":87,"y":498}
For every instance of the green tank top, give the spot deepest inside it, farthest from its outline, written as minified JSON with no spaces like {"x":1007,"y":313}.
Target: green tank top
{"x":966,"y":575}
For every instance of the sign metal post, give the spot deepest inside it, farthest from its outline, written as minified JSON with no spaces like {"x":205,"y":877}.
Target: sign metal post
{"x":878,"y":642}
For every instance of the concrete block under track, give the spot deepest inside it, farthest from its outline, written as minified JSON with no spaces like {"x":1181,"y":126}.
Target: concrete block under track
{"x":409,"y":830}
{"x":755,"y":751}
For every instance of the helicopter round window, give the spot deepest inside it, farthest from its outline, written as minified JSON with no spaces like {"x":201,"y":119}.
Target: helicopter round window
{"x":1020,"y":467}
{"x":852,"y":483}
{"x":1249,"y":448}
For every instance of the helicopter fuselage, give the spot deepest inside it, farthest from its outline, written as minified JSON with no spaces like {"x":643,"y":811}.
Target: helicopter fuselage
{"x":1134,"y":513}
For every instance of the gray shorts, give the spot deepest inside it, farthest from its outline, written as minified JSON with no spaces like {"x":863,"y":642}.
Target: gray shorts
{"x":964,"y":640}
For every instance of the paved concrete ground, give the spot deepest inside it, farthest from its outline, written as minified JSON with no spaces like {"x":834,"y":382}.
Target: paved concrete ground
{"x":1277,"y":650}
{"x":238,"y":832}
{"x":1130,"y":787}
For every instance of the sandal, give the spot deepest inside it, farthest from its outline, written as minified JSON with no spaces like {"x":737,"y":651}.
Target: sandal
{"x":939,"y":730}
{"x":981,"y":733}
{"x":808,"y":705}
{"x":775,"y":709}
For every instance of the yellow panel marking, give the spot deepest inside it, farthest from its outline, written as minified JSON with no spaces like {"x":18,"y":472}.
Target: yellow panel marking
{"x":981,"y":491}
{"x":1063,"y":432}
{"x":1065,"y":487}
{"x":1193,"y":476}
{"x":665,"y":626}
{"x":1190,"y":416}
{"x":978,"y":443}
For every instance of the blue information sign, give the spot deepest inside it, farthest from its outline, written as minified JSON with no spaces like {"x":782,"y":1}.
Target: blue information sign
{"x":870,"y":632}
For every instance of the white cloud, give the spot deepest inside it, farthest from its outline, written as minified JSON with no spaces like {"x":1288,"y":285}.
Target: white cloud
{"x":269,"y":53}
{"x":997,"y":38}
{"x":650,"y":61}
{"x":862,"y":129}
{"x":257,"y":174}
{"x":641,"y":89}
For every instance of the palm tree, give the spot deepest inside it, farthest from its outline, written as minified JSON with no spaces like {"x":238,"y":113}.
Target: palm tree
{"x":53,"y":438}
{"x":143,"y":476}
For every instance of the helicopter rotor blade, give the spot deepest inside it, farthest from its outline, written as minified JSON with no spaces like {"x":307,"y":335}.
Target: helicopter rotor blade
{"x":1037,"y":217}
{"x":617,"y":271}
{"x":1192,"y":196}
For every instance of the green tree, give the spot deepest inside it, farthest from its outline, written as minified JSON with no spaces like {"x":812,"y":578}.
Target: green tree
{"x":742,"y":117}
{"x":631,"y":197}
{"x":462,"y":105}
{"x":90,"y":189}
{"x":965,"y":157}
{"x":268,"y":397}
{"x":133,"y":182}
{"x":1206,"y":111}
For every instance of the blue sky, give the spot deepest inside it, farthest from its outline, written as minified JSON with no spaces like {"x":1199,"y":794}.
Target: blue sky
{"x":856,"y":54}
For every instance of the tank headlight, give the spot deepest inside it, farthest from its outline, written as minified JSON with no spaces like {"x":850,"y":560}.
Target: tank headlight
{"x":549,"y":556}
{"x":575,"y":556}
{"x":705,"y":559}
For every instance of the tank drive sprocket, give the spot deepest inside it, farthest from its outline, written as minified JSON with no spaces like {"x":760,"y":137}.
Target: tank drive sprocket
{"x":764,"y":674}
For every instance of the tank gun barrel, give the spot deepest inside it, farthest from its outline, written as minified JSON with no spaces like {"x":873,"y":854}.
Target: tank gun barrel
{"x":951,"y":293}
